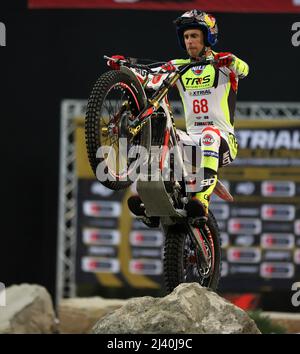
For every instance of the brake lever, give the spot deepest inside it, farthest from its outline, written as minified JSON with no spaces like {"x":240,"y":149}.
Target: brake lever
{"x":118,"y":61}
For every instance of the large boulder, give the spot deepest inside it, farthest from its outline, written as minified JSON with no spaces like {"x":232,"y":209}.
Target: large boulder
{"x":78,"y":315}
{"x":190,"y":308}
{"x":28,"y":309}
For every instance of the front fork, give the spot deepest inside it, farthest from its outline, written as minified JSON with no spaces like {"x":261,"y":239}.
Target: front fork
{"x":153,"y":104}
{"x":196,"y":234}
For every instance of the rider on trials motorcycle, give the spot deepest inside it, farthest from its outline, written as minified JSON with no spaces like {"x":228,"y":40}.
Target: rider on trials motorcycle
{"x":208,"y":95}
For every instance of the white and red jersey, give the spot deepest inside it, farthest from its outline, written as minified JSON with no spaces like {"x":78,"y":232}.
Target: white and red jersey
{"x":208,"y":94}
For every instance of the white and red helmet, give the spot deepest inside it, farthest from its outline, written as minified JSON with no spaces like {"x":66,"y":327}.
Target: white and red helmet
{"x":197,"y":19}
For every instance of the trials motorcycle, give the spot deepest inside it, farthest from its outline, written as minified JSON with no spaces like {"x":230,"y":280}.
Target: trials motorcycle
{"x":129,"y":108}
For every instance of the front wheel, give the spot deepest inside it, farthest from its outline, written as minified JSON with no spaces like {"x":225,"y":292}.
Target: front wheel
{"x":114,"y":102}
{"x":182,"y":262}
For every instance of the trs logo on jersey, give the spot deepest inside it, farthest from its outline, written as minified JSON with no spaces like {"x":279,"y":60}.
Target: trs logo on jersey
{"x":194,"y":81}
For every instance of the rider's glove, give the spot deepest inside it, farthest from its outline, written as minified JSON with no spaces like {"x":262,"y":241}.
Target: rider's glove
{"x":115,"y":65}
{"x":224,"y":59}
{"x":168,"y":67}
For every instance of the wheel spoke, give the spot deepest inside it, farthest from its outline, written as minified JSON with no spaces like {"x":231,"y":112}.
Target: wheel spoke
{"x":193,"y":270}
{"x":114,"y":105}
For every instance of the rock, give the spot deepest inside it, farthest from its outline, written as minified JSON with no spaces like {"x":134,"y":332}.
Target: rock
{"x":78,"y":315}
{"x":28,"y":309}
{"x":190,"y":308}
{"x":289,"y":321}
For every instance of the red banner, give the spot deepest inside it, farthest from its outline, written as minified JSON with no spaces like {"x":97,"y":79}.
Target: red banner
{"x":265,"y":6}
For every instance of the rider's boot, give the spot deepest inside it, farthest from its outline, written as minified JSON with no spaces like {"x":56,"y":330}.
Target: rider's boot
{"x":197,"y":207}
{"x":135,"y":205}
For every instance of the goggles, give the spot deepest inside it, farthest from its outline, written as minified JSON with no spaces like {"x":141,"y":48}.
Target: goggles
{"x":196,"y":19}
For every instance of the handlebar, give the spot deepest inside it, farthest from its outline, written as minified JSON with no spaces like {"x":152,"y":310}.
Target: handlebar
{"x":181,"y":69}
{"x":130,"y":62}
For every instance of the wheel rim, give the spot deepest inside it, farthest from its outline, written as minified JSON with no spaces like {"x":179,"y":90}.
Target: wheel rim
{"x":119,"y":106}
{"x":192,"y":269}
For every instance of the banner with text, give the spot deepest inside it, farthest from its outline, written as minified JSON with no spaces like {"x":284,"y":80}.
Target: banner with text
{"x":264,"y":6}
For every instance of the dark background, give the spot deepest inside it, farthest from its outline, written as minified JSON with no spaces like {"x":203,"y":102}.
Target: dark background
{"x":57,"y":54}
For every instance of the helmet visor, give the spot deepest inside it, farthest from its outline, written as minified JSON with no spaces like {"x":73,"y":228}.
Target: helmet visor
{"x":182,"y":21}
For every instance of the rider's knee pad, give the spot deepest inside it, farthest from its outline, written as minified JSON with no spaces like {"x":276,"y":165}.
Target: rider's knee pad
{"x":210,"y":138}
{"x":210,"y":145}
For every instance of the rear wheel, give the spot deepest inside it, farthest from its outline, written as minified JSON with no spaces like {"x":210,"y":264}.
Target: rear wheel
{"x":114,"y":102}
{"x":182,"y":262}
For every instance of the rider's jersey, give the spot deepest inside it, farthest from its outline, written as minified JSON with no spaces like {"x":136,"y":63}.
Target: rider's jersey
{"x":209,"y":94}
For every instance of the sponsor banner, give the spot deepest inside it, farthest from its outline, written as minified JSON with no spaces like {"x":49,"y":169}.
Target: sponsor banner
{"x":146,"y":238}
{"x":264,"y":182}
{"x":269,"y":139}
{"x":277,"y":256}
{"x":244,"y":225}
{"x":282,"y":227}
{"x":224,"y":269}
{"x":101,"y":251}
{"x":103,"y":223}
{"x":93,"y":236}
{"x":146,"y":252}
{"x":278,"y":145}
{"x":101,"y":209}
{"x":244,"y":188}
{"x":244,"y":269}
{"x":224,"y":239}
{"x":277,"y":270}
{"x":100,"y":265}
{"x":98,"y":189}
{"x":278,"y":188}
{"x":244,"y":255}
{"x":145,"y":266}
{"x":277,"y":212}
{"x":241,"y":212}
{"x":263,"y":6}
{"x":297,"y":227}
{"x":220,"y":211}
{"x":297,"y":256}
{"x":277,"y":241}
{"x":244,"y":240}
